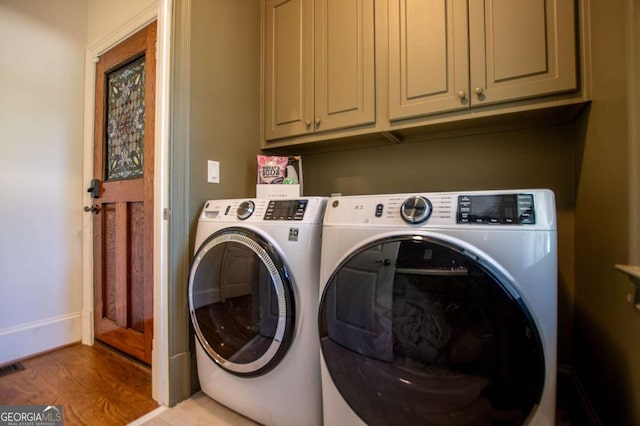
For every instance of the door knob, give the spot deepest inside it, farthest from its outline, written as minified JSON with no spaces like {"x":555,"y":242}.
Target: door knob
{"x":95,"y":209}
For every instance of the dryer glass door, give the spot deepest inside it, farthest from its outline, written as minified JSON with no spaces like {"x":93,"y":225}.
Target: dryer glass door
{"x":241,"y":301}
{"x":420,"y":331}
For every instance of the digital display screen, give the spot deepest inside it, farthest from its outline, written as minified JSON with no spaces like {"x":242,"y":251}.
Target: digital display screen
{"x":503,"y":209}
{"x":285,"y":210}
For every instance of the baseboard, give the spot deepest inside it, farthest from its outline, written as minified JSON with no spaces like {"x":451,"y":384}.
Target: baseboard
{"x":30,"y":339}
{"x":179,"y":378}
{"x":581,"y":408}
{"x":87,"y":326}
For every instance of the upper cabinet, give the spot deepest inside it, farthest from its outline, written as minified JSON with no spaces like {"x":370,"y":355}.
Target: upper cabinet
{"x":388,"y":71}
{"x":428,"y":57}
{"x":447,"y":55}
{"x":319,"y":66}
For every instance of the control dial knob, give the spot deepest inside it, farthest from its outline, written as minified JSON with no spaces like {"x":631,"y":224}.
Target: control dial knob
{"x":246,"y":209}
{"x":416,"y":209}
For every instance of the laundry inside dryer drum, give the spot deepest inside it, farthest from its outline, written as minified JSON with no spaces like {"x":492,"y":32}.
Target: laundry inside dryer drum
{"x":419,"y":331}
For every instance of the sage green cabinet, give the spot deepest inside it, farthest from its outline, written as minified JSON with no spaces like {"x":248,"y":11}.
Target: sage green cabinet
{"x":319,"y":66}
{"x":447,"y":55}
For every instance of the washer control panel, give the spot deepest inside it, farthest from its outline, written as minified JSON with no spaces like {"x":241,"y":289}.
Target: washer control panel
{"x":499,"y":209}
{"x":285,"y":210}
{"x":254,"y":210}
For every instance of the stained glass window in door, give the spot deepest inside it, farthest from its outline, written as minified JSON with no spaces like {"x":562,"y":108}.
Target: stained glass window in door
{"x":125,"y":121}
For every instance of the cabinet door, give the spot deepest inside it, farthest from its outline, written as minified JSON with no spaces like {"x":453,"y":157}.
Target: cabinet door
{"x":288,"y":68}
{"x":521,"y":49}
{"x":428,"y":57}
{"x":344,"y":64}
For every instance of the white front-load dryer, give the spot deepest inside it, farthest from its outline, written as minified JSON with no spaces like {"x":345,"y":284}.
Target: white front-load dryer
{"x":439,"y":309}
{"x":253,"y":301}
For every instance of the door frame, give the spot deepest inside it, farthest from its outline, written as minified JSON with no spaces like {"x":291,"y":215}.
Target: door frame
{"x":162,"y":12}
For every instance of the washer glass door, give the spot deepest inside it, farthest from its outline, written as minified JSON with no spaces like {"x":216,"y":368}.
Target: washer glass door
{"x":416,"y":330}
{"x":241,"y":301}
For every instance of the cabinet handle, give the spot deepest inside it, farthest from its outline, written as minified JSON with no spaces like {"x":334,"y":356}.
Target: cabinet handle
{"x":462,"y":94}
{"x":479,"y":91}
{"x":308,"y":124}
{"x":317,"y":123}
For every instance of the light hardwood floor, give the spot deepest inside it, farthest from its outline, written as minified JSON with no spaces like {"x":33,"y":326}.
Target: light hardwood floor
{"x":94,"y":385}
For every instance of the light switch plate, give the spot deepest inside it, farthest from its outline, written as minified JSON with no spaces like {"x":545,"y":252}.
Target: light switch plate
{"x":213,"y":171}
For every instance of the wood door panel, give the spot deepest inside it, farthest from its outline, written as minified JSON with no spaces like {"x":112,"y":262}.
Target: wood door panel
{"x":121,"y":263}
{"x":116,"y":336}
{"x":109,"y":257}
{"x":123,"y":244}
{"x":136,"y":266}
{"x":131,"y":190}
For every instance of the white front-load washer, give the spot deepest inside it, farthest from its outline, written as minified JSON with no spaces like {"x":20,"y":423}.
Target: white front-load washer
{"x":439,"y":309}
{"x":253,"y":301}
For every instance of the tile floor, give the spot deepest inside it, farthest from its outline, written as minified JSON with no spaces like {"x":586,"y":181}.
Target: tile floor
{"x":199,"y":410}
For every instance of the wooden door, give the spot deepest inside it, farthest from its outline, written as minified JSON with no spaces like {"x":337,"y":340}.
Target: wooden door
{"x":288,"y":83}
{"x":123,"y":198}
{"x":344,"y":75}
{"x":428,"y":57}
{"x":521,"y":49}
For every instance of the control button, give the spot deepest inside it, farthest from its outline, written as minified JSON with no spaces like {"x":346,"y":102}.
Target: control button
{"x":246,"y":209}
{"x":379,"y":209}
{"x":416,"y":209}
{"x":226,"y":212}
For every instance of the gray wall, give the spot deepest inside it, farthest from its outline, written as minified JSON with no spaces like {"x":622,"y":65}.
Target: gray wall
{"x":607,"y":328}
{"x":216,"y":96}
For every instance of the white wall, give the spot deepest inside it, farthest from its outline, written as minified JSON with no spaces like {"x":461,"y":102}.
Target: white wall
{"x":104,"y":17}
{"x":41,"y":93}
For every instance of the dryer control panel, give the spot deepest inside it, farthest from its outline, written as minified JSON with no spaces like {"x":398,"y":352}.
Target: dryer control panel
{"x":507,"y":209}
{"x":496,"y":209}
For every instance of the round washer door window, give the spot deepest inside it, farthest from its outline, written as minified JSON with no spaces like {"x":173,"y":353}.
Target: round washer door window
{"x":241,"y":302}
{"x":416,"y":330}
